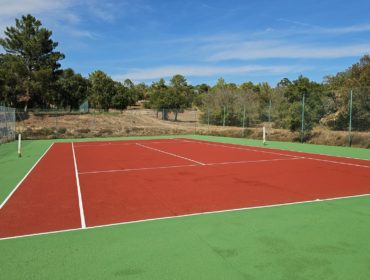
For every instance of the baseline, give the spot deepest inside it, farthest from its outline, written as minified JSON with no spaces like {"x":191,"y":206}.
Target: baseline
{"x":187,"y":215}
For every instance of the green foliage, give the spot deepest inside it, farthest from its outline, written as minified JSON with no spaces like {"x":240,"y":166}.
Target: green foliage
{"x":12,"y":83}
{"x":175,"y":97}
{"x":314,"y":94}
{"x":72,"y":90}
{"x":121,"y":98}
{"x":34,"y":47}
{"x":357,"y":79}
{"x":101,"y":90}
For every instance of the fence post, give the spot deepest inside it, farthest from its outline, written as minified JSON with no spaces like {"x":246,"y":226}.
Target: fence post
{"x":302,"y":120}
{"x":243,"y":120}
{"x":270,"y":111}
{"x":350,"y":119}
{"x":195,"y":123}
{"x":223,"y":122}
{"x":208,"y":115}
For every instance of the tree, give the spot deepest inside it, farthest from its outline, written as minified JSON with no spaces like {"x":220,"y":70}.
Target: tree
{"x":179,"y":95}
{"x":141,"y":90}
{"x":356,"y":79}
{"x":121,"y":98}
{"x":173,"y":98}
{"x":35,"y":48}
{"x":101,"y":90}
{"x":72,"y":89}
{"x":314,"y":95}
{"x":12,"y":70}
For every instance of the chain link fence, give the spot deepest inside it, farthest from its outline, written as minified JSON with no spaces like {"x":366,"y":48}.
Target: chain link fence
{"x":7,"y":124}
{"x":339,"y":117}
{"x":132,"y":122}
{"x":333,"y":118}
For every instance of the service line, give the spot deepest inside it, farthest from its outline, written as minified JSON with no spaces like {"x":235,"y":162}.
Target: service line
{"x":164,"y":152}
{"x":186,"y":165}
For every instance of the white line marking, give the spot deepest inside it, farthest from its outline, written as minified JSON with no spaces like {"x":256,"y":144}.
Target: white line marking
{"x":118,"y":143}
{"x":242,"y":148}
{"x":136,"y":169}
{"x":24,"y":178}
{"x":252,"y":161}
{"x":302,"y":157}
{"x":337,"y":162}
{"x":187,"y":165}
{"x":80,"y":204}
{"x":154,"y":149}
{"x":189,"y":215}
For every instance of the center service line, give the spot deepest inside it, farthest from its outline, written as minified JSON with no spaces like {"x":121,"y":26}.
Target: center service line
{"x":80,"y":204}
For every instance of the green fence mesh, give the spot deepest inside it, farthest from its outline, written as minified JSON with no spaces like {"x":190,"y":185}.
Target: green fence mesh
{"x":7,"y":124}
{"x":330,"y":117}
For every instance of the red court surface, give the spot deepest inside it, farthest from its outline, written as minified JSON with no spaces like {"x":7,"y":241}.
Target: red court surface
{"x":89,"y":184}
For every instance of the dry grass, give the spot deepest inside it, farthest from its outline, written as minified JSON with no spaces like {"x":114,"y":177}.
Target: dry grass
{"x":147,"y":122}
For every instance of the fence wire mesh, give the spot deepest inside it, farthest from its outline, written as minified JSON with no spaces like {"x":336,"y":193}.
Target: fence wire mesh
{"x":332,"y":118}
{"x":7,"y":124}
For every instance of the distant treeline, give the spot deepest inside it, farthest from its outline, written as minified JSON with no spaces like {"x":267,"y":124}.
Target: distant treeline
{"x":31,"y":77}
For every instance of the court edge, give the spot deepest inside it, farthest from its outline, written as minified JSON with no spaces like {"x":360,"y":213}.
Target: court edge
{"x":186,"y":215}
{"x":24,"y":177}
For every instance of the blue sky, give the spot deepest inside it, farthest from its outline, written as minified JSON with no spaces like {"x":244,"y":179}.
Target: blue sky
{"x":203,"y":40}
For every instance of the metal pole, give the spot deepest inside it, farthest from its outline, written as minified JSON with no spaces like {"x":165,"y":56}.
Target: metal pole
{"x":302,"y":128}
{"x":195,"y":123}
{"x":208,"y":114}
{"x":270,"y":111}
{"x":243,"y":119}
{"x":350,"y":120}
{"x":223,"y":123}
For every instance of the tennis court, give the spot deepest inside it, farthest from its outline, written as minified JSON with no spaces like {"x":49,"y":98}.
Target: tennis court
{"x":76,"y":186}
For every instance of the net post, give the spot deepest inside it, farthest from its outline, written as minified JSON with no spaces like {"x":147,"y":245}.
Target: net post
{"x":19,"y":145}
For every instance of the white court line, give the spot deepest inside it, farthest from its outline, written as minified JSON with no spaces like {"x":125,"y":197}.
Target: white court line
{"x":187,"y":165}
{"x":24,"y":178}
{"x":252,"y":161}
{"x":154,"y":149}
{"x":136,"y":169}
{"x":302,"y":157}
{"x":189,"y":215}
{"x":242,"y":148}
{"x":80,"y":204}
{"x":125,"y":144}
{"x":338,"y":162}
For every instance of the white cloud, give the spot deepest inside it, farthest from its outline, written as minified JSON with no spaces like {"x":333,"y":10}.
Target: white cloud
{"x":346,"y":29}
{"x":307,"y":28}
{"x":204,"y":71}
{"x":12,"y":8}
{"x":280,"y":49}
{"x":56,"y":15}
